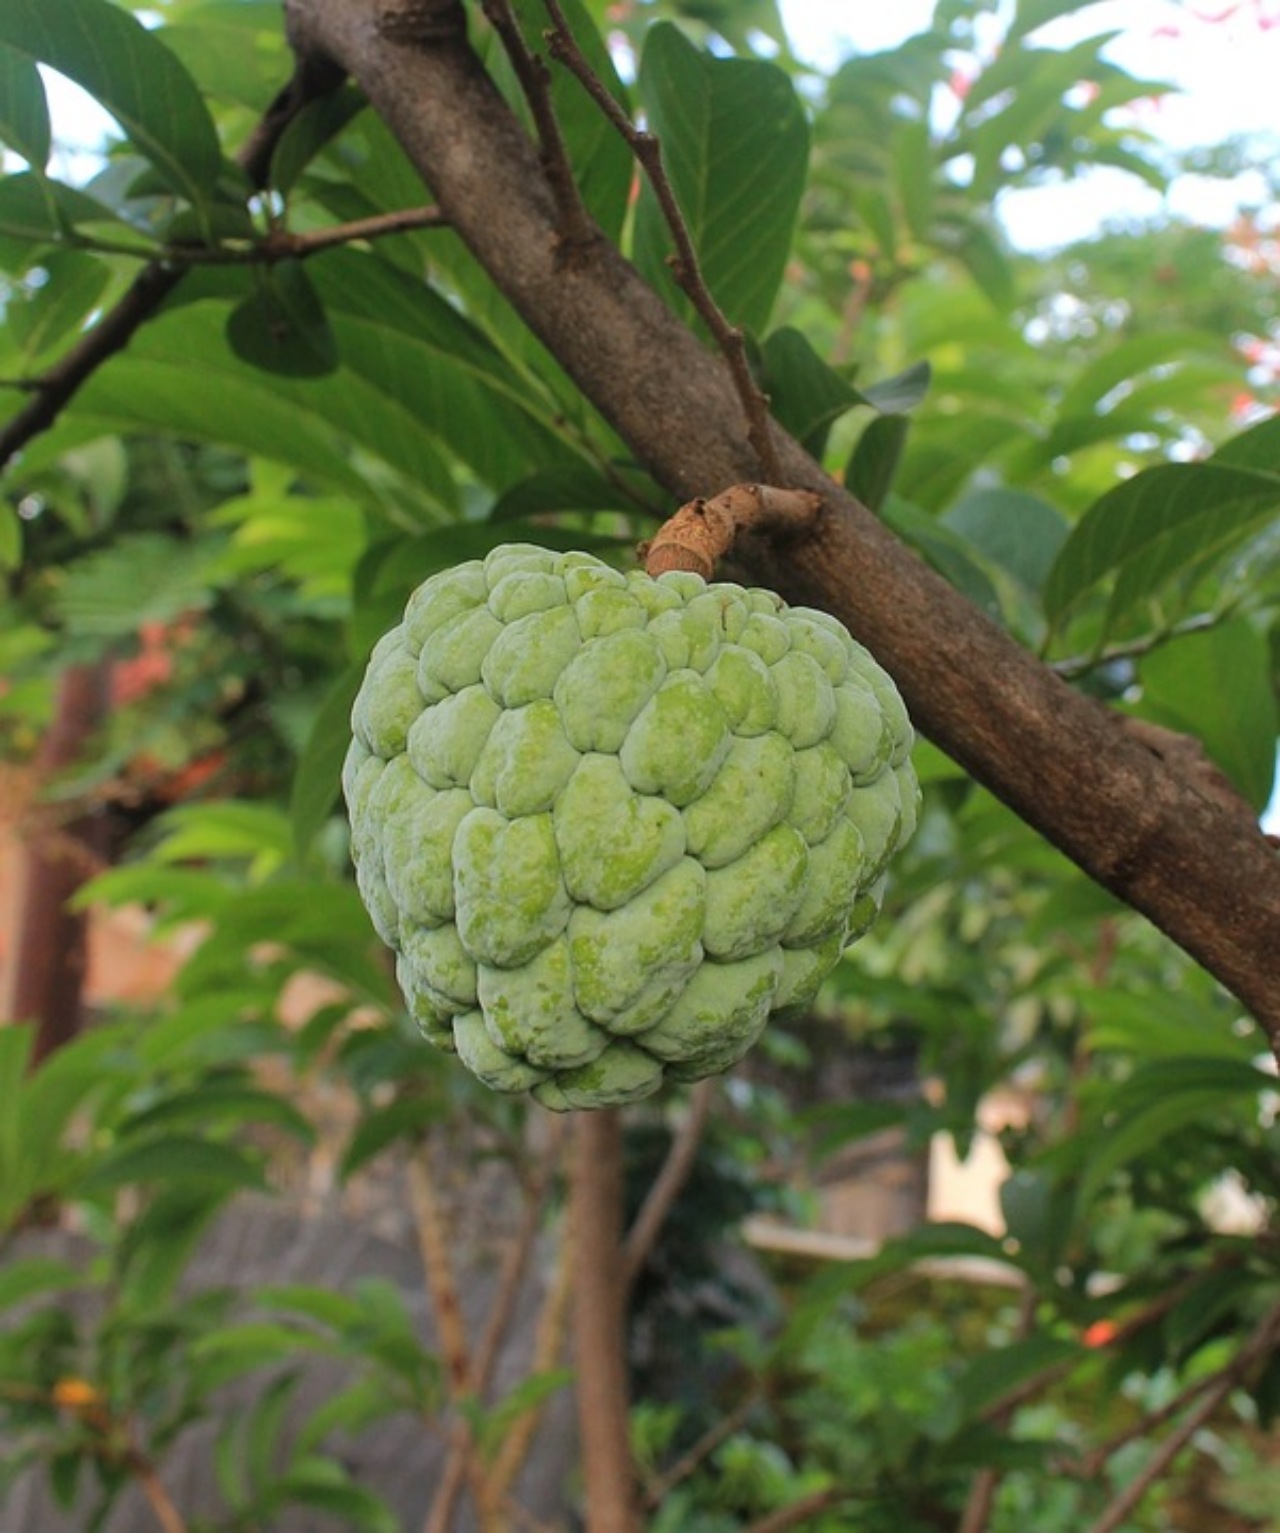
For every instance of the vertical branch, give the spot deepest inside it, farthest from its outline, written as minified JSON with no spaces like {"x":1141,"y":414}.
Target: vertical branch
{"x":668,"y":1183}
{"x":600,"y":1325}
{"x":51,"y":942}
{"x":684,"y":265}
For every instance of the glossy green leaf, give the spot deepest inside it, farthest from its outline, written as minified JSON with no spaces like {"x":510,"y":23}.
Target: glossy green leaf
{"x":805,"y":395}
{"x":1216,"y":685}
{"x":24,"y":111}
{"x":1149,"y":528}
{"x":735,"y":144}
{"x":316,"y":784}
{"x":108,"y":52}
{"x":873,"y":465}
{"x":281,"y":327}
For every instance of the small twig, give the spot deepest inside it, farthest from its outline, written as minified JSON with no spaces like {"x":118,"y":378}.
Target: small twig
{"x":982,"y":1493}
{"x":278,"y":245}
{"x":1222,"y":1384}
{"x":703,"y":531}
{"x":56,"y":387}
{"x":161,"y":1502}
{"x":684,"y":264}
{"x":576,"y":229}
{"x":799,"y":1512}
{"x":1134,"y":649}
{"x":667,"y":1185}
{"x":689,"y":1463}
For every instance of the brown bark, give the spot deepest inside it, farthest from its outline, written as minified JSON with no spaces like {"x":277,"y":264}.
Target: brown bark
{"x":51,"y":941}
{"x":599,"y":1329}
{"x":1202,"y":873}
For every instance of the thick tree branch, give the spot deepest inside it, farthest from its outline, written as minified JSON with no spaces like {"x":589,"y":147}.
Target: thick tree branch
{"x":1201,"y":872}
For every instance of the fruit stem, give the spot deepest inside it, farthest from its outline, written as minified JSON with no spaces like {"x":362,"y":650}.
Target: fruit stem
{"x":703,"y":531}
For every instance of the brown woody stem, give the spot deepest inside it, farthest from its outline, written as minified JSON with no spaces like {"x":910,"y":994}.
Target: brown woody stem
{"x":702,"y":532}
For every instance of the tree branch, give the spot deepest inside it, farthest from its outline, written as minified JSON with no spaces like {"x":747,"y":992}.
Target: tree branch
{"x":1202,"y":873}
{"x":667,"y":1184}
{"x":313,"y":76}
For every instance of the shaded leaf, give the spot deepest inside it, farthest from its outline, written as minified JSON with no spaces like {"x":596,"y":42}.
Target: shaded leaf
{"x":1018,"y":531}
{"x":735,"y":144}
{"x":175,"y":1158}
{"x":873,"y":465}
{"x":24,"y":111}
{"x":805,"y":395}
{"x":316,"y":781}
{"x":144,"y":578}
{"x":904,"y":391}
{"x":282,"y":327}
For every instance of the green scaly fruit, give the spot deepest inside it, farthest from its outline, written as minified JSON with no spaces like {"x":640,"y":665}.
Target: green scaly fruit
{"x":610,"y":824}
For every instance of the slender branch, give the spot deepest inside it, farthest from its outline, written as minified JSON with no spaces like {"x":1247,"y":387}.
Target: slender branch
{"x":689,"y":1463}
{"x":799,"y":1512}
{"x":668,"y":1183}
{"x":1222,"y":1385}
{"x":161,"y":1502}
{"x":577,"y":231}
{"x":278,"y":245}
{"x":54,"y":389}
{"x":600,"y":1325}
{"x":684,"y":264}
{"x":1077,"y":666}
{"x":703,"y":531}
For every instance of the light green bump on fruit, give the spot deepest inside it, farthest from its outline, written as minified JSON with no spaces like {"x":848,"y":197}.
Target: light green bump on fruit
{"x":482,"y":1056}
{"x":838,"y":869}
{"x":611,"y":824}
{"x":612,"y":841}
{"x":719,"y":1014}
{"x":384,"y":711}
{"x":629,"y":964}
{"x":821,"y":791}
{"x":605,"y":686}
{"x":806,"y":699}
{"x":445,"y":740}
{"x":421,"y":827}
{"x":745,"y":688}
{"x":452,"y":656}
{"x":528,"y":657}
{"x":440,"y":963}
{"x":876,"y":810}
{"x":622,"y":1074}
{"x":510,"y":898}
{"x":860,"y":732}
{"x":803,"y":971}
{"x":830,"y":648}
{"x":441,"y":600}
{"x":432,"y":1012}
{"x":751,"y":793}
{"x":531,"y":1011}
{"x":606,"y":610}
{"x":677,"y":744}
{"x":750,"y":902}
{"x":767,"y":636}
{"x":526,"y":761}
{"x":525,"y":591}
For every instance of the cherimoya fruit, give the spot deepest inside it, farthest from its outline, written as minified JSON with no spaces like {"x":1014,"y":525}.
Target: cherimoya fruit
{"x":609,"y":824}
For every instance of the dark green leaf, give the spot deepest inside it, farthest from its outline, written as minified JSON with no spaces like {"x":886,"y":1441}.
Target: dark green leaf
{"x":315,"y":126}
{"x":873,"y":465}
{"x":38,"y":209}
{"x":904,"y":391}
{"x":805,"y":395}
{"x":406,"y":1117}
{"x":575,"y":487}
{"x":282,"y":326}
{"x":24,"y":112}
{"x":735,"y":144}
{"x":108,"y":52}
{"x":948,"y":553}
{"x":30,"y":1276}
{"x":1216,"y":685}
{"x":175,"y":1158}
{"x":1020,"y":532}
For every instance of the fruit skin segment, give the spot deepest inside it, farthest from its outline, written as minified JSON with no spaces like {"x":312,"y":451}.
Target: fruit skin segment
{"x":610,"y":824}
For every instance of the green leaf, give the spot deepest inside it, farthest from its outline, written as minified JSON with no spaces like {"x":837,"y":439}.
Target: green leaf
{"x":24,"y":111}
{"x":735,"y":144}
{"x":1183,"y":688}
{"x":914,"y":169}
{"x":318,"y":123}
{"x":987,"y":1379}
{"x":31,"y":1276}
{"x":316,"y":782}
{"x":1020,"y":532}
{"x":108,"y":52}
{"x":575,"y":487}
{"x":282,"y":326}
{"x":230,"y":829}
{"x":38,"y":209}
{"x":948,"y":553}
{"x":175,"y":1158}
{"x":1258,"y":448}
{"x":405,"y":1117}
{"x":74,"y":284}
{"x":904,"y":391}
{"x":10,"y":537}
{"x":213,"y":1102}
{"x":805,"y":395}
{"x":873,"y":465}
{"x":1130,"y":359}
{"x":146,"y":578}
{"x":1149,"y":528}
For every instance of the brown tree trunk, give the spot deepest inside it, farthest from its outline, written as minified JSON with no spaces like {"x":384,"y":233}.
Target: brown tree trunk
{"x":50,"y":949}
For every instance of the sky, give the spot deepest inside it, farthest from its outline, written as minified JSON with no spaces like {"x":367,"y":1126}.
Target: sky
{"x":1225,"y":56}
